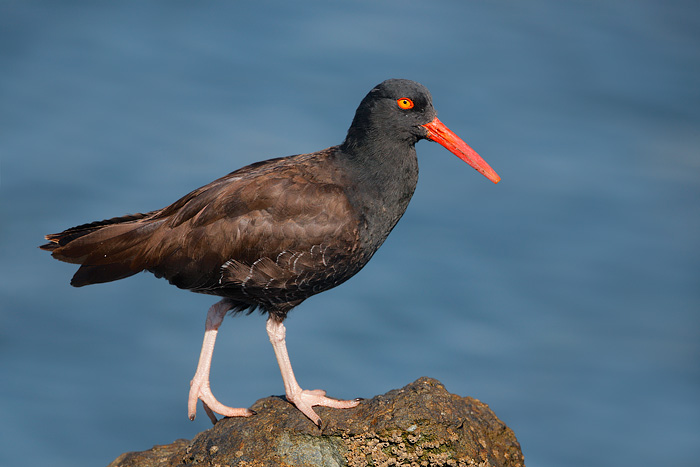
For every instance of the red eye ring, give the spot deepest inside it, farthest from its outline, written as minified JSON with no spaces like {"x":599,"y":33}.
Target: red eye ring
{"x":405,"y":103}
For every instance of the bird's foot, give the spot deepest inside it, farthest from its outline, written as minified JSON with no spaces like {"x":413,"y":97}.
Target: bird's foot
{"x":201,"y":391}
{"x":305,"y":399}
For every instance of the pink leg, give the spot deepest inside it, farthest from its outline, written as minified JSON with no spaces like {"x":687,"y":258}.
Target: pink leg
{"x":303,"y":399}
{"x":199,"y":386}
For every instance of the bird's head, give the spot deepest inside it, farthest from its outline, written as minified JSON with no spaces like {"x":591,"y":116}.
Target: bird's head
{"x":401,"y":111}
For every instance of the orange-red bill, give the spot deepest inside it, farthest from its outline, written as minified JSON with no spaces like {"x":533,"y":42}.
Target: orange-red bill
{"x":438,"y":132}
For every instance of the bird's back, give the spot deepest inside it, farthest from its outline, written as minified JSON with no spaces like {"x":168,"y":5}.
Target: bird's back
{"x":270,"y":235}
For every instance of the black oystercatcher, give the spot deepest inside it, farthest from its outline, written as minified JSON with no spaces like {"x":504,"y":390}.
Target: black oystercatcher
{"x":276,"y":232}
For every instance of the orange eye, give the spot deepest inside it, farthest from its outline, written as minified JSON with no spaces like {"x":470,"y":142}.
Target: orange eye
{"x":405,"y":103}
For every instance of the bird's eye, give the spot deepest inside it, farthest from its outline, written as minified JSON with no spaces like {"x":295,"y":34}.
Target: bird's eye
{"x":405,"y":103}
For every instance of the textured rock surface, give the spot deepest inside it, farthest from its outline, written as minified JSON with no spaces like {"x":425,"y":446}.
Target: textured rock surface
{"x":419,"y":425}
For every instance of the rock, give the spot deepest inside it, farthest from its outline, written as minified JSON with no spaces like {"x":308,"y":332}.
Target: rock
{"x":419,"y":425}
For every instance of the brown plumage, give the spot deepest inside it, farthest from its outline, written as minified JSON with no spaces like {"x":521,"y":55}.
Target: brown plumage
{"x":276,"y":232}
{"x":259,"y":236}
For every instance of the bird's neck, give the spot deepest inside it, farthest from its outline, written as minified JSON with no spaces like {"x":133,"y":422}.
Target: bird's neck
{"x":383,"y":179}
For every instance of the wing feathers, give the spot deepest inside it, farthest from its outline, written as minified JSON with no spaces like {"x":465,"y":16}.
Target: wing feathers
{"x":257,"y":234}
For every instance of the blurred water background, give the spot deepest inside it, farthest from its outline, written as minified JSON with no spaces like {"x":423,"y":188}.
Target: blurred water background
{"x":567,"y":297}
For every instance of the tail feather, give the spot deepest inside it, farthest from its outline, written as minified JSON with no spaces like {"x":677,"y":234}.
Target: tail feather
{"x":86,"y":275}
{"x":106,"y":250}
{"x":63,"y":238}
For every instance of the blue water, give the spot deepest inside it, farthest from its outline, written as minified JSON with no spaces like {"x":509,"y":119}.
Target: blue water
{"x":567,"y":297}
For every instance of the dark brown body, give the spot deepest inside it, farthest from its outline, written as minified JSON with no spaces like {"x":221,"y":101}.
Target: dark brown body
{"x":268,"y":235}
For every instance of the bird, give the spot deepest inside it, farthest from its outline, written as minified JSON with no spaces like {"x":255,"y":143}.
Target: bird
{"x":274,"y":233}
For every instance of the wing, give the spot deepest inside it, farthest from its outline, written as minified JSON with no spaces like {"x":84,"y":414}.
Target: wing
{"x":277,"y":231}
{"x":273,"y":232}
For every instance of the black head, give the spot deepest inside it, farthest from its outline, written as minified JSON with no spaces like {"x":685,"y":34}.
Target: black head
{"x":395,"y":115}
{"x":394,"y":110}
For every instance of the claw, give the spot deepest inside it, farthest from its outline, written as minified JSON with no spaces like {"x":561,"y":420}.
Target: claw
{"x":210,"y":413}
{"x":303,"y":399}
{"x":201,"y":391}
{"x":199,"y":386}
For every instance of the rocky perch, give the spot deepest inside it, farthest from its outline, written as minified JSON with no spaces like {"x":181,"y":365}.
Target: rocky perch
{"x":419,"y":425}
